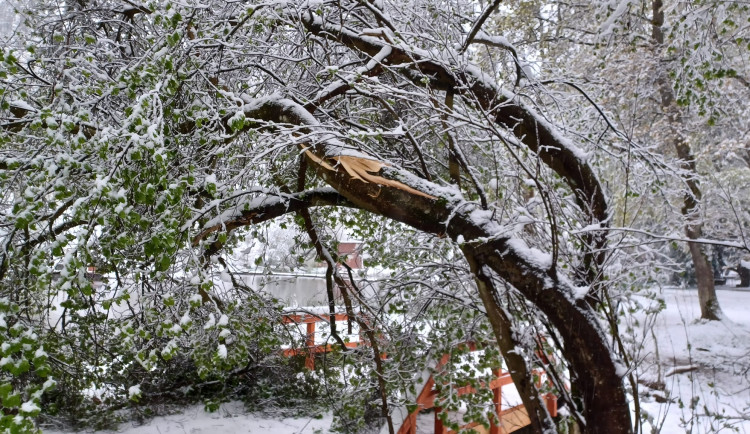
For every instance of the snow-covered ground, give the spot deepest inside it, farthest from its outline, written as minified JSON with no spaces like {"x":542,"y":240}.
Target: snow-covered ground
{"x":231,"y":418}
{"x":703,"y":368}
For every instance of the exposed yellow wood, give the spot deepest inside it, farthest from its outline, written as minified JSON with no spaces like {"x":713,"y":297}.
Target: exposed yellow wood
{"x":364,"y":169}
{"x":319,"y":161}
{"x":515,"y":419}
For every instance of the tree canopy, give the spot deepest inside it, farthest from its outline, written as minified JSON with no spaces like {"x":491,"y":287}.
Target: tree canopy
{"x":512,"y":160}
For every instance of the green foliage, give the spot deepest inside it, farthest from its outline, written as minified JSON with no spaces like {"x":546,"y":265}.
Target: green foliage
{"x":24,"y":371}
{"x":131,"y":167}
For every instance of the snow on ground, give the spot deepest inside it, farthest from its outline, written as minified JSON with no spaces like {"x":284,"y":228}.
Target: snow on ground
{"x":231,"y":418}
{"x":704,"y":366}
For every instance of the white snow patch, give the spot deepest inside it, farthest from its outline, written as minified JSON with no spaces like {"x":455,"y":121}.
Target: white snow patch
{"x":134,"y":391}
{"x":580,"y":292}
{"x":211,"y":322}
{"x":230,"y":418}
{"x":606,"y":27}
{"x":29,"y":407}
{"x":224,"y":320}
{"x":703,"y":364}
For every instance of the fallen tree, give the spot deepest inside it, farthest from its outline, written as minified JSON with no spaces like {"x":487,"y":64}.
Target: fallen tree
{"x":168,"y":129}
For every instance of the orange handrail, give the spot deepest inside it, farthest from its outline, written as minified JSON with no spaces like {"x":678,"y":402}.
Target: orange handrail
{"x":426,"y":400}
{"x":310,"y":348}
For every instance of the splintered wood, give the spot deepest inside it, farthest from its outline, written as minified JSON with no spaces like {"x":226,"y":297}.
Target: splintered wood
{"x":364,"y":170}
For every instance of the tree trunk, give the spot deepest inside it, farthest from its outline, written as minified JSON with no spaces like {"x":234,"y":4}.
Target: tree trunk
{"x":596,"y":373}
{"x":541,"y":421}
{"x":709,"y":304}
{"x":743,"y":270}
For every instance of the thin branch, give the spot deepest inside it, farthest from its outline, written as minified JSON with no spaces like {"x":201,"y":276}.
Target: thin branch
{"x":665,"y":238}
{"x":593,"y":104}
{"x":479,"y":23}
{"x":499,"y":42}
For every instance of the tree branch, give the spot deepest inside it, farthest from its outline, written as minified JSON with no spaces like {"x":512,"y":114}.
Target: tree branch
{"x":478,"y":24}
{"x":274,"y":207}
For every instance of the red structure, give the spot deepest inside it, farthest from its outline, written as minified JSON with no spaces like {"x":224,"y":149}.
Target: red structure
{"x":511,"y":419}
{"x":311,"y":348}
{"x":352,"y":252}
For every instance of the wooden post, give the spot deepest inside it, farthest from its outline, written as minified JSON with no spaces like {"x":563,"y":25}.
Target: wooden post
{"x":413,"y":423}
{"x":439,"y":428}
{"x":497,"y":399}
{"x":310,"y":343}
{"x":551,"y":400}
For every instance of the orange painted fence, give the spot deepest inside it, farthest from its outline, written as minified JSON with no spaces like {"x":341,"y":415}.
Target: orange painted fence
{"x":310,"y":349}
{"x":511,"y":419}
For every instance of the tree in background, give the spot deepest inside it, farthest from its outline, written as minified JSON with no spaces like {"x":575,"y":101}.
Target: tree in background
{"x":666,"y":77}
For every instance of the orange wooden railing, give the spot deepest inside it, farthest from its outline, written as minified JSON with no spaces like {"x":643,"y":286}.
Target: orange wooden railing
{"x":511,"y":419}
{"x":310,"y":348}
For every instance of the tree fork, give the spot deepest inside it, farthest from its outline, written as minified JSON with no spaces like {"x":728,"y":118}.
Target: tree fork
{"x":595,"y":372}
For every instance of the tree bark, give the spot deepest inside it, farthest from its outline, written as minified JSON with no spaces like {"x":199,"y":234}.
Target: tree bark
{"x":507,"y":112}
{"x":596,"y":373}
{"x":709,"y":303}
{"x":502,"y":327}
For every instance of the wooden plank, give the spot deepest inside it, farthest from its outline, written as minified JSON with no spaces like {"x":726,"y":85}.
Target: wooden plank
{"x":501,"y":380}
{"x":439,"y":428}
{"x":514,"y":419}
